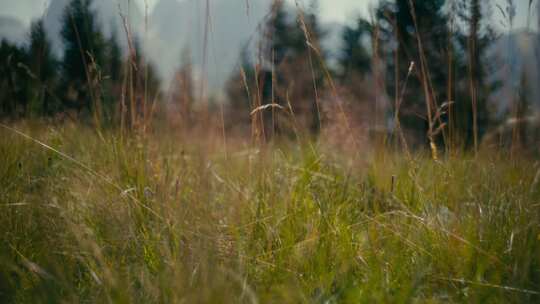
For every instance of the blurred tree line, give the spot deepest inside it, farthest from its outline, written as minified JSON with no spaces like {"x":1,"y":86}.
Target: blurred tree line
{"x":428,"y":56}
{"x":288,"y":74}
{"x":89,"y":80}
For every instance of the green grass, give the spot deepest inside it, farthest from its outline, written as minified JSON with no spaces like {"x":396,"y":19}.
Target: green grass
{"x":156,"y":220}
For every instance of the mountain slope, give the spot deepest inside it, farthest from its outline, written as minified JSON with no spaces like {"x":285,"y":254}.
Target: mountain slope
{"x":177,"y":25}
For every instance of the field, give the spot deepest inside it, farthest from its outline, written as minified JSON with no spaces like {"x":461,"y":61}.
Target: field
{"x":106,"y":217}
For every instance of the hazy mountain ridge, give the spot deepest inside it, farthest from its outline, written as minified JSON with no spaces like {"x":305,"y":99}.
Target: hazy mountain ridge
{"x":175,"y":26}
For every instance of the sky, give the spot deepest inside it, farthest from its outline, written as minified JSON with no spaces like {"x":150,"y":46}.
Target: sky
{"x":344,"y":10}
{"x":24,"y":10}
{"x":331,"y":10}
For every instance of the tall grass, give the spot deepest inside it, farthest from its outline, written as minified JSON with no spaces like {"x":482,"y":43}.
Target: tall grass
{"x":154,"y":220}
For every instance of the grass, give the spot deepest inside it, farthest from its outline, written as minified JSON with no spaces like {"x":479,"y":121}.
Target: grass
{"x":156,"y":220}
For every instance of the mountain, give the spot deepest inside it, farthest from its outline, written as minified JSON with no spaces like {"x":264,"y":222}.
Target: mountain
{"x":12,"y":29}
{"x":177,"y":25}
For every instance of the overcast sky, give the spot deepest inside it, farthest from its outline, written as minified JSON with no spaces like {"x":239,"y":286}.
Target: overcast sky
{"x":331,"y":10}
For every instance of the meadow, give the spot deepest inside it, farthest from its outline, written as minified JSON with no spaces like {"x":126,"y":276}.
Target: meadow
{"x":390,"y":172}
{"x":110,"y":217}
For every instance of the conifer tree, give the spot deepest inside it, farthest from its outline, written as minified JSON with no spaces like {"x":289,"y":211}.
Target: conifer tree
{"x":183,"y":94}
{"x":14,"y":89}
{"x":241,"y":90}
{"x":84,"y":53}
{"x":114,"y":58}
{"x":538,"y":38}
{"x":147,"y":80}
{"x":414,"y":31}
{"x":292,"y":65}
{"x":112,"y":82}
{"x":142,"y":85}
{"x":355,"y":58}
{"x":43,"y":72}
{"x":471,"y":115}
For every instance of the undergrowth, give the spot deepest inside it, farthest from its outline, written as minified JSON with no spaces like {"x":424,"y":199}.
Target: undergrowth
{"x":149,"y":219}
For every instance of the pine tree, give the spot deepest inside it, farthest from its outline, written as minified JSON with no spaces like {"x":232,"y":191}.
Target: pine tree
{"x":360,"y":76}
{"x":42,"y":69}
{"x":288,"y":70}
{"x":147,"y":79}
{"x":316,"y":56}
{"x":114,"y":58}
{"x":471,"y":118}
{"x":183,"y":94}
{"x":14,"y":90}
{"x":293,"y":72}
{"x":84,"y":53}
{"x":241,"y":91}
{"x":355,"y":58}
{"x":283,"y":38}
{"x":142,"y":86}
{"x":538,"y":38}
{"x":112,"y":83}
{"x":420,"y":38}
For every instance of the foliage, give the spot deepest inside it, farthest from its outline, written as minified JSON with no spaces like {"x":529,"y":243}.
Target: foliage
{"x":475,"y":42}
{"x":289,"y":71}
{"x":355,"y":55}
{"x":13,"y":82}
{"x":43,"y":77}
{"x":83,"y":59}
{"x":418,"y":34}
